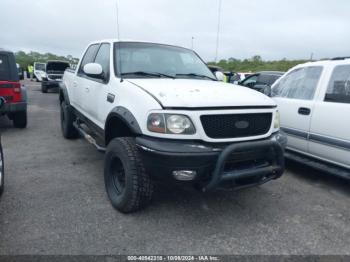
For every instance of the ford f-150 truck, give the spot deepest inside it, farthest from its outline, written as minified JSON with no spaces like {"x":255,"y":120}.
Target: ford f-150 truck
{"x":160,"y":114}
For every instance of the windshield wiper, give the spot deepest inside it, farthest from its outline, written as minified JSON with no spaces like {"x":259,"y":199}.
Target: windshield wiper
{"x":144,"y":73}
{"x":197,"y":75}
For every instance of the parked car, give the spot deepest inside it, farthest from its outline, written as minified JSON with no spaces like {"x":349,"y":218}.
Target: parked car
{"x":159,"y":113}
{"x":314,"y":103}
{"x":2,"y":166}
{"x":12,"y":91}
{"x":54,"y":74}
{"x":39,"y":71}
{"x":261,"y":81}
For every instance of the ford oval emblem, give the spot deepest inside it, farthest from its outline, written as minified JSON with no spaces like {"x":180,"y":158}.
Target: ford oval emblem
{"x":242,"y":124}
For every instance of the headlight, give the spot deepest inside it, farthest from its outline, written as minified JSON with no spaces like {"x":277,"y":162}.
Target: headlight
{"x":170,"y":124}
{"x":276,"y":124}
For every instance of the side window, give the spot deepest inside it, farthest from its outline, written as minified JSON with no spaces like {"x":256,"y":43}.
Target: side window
{"x":250,"y":80}
{"x":103,"y":58}
{"x":88,"y":57}
{"x":300,"y":83}
{"x":263,"y":79}
{"x":338,"y":90}
{"x":4,"y":68}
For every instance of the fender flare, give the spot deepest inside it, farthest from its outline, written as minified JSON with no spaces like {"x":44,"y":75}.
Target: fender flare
{"x":127,"y":117}
{"x":63,"y":94}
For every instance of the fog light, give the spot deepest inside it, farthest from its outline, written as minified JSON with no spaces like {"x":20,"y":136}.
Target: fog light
{"x":184,"y":175}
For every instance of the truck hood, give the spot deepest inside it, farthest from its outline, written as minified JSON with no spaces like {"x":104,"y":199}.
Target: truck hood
{"x":189,"y":93}
{"x":56,"y":66}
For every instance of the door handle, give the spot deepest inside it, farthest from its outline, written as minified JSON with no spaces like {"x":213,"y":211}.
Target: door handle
{"x":87,"y":90}
{"x":74,"y":84}
{"x":304,"y":111}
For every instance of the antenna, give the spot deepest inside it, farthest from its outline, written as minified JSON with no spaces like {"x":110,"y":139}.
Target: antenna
{"x":117,"y":9}
{"x":218,"y":32}
{"x":118,"y":34}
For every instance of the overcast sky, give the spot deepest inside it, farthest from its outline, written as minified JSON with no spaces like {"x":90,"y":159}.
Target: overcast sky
{"x":273,"y":29}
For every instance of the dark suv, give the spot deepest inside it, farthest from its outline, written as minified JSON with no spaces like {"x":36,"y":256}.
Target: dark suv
{"x":12,"y":91}
{"x":261,"y":80}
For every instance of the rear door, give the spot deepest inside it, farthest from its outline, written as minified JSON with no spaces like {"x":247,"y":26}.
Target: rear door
{"x":330,"y":127}
{"x":294,"y":94}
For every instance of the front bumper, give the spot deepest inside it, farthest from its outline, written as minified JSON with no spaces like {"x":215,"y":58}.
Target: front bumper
{"x":13,"y":107}
{"x":235,"y":165}
{"x":51,"y":83}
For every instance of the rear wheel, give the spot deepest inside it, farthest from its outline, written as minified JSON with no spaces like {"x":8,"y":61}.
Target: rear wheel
{"x":43,"y":88}
{"x":20,"y":119}
{"x":2,"y":173}
{"x":128,"y":186}
{"x":67,"y":120}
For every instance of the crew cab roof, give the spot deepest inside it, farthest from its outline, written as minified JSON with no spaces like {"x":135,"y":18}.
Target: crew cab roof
{"x":112,"y":41}
{"x":325,"y":63}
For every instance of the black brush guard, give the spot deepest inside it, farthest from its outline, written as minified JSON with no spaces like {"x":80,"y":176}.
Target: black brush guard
{"x":263,"y":173}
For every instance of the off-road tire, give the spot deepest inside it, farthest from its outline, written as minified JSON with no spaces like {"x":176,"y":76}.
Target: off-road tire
{"x":122,"y":155}
{"x":2,"y":169}
{"x":44,"y":88}
{"x":67,"y":120}
{"x":20,"y":119}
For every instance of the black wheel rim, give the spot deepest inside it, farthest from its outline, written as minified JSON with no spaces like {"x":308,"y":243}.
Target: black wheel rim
{"x":117,"y":173}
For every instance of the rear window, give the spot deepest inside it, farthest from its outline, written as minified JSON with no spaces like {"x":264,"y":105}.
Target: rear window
{"x":338,"y":90}
{"x":4,"y":68}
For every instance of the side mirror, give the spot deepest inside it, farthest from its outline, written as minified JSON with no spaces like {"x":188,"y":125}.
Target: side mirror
{"x":2,"y":102}
{"x":220,"y":76}
{"x":265,"y":89}
{"x":93,"y":70}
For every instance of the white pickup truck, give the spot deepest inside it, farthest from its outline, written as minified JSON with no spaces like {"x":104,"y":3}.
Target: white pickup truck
{"x":314,"y":102}
{"x":160,"y":114}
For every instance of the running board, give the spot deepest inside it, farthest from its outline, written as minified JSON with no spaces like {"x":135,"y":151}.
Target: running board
{"x":88,"y":137}
{"x":318,"y":164}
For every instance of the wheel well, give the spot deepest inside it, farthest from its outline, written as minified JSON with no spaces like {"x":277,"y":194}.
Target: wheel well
{"x":116,"y":127}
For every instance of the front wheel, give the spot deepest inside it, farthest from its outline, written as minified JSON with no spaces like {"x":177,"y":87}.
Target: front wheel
{"x":2,"y":173}
{"x":128,"y":186}
{"x":20,"y":119}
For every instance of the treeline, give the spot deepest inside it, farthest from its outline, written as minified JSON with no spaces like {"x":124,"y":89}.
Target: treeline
{"x":256,"y":64}
{"x":24,"y":59}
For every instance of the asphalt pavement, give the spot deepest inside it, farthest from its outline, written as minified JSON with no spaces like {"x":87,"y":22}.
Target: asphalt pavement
{"x":55,"y":204}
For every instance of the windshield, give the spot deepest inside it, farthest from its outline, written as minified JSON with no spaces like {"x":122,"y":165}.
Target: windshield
{"x":147,"y":60}
{"x":40,"y":67}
